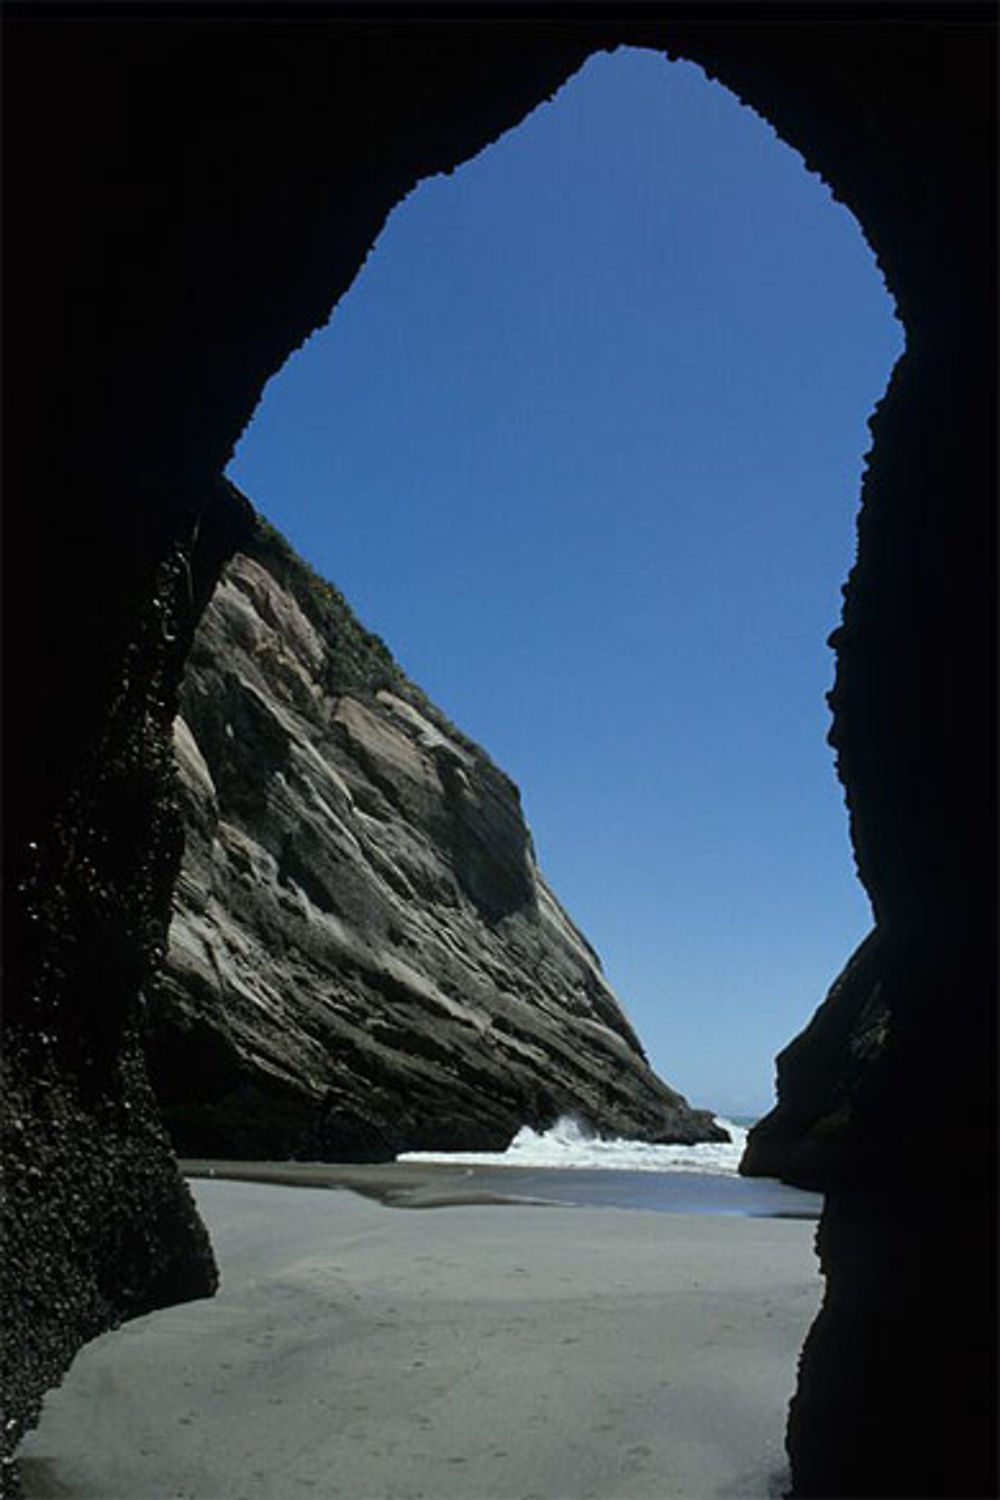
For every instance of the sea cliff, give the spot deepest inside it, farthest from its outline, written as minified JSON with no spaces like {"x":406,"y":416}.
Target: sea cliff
{"x":364,"y":957}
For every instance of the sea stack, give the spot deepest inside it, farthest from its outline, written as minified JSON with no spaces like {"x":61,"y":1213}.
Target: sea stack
{"x":364,"y":958}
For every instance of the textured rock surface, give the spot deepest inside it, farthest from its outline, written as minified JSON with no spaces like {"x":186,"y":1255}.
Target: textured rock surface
{"x":187,"y":198}
{"x":97,"y":1225}
{"x":364,"y":958}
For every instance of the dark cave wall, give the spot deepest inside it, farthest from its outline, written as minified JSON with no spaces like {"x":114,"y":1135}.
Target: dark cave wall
{"x":186,"y":199}
{"x":97,"y":1224}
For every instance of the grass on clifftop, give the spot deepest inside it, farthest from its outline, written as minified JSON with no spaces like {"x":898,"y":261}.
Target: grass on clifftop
{"x":357,"y":661}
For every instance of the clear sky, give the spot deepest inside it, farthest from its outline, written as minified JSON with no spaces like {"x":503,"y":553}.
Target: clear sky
{"x":584,"y":444}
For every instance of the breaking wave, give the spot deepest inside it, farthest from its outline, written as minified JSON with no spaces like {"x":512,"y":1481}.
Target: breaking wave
{"x":569,"y":1145}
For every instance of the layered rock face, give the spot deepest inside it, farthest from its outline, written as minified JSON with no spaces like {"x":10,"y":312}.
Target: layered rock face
{"x":364,"y":958}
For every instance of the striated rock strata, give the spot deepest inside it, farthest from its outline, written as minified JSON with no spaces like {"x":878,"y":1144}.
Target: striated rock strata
{"x":364,"y":958}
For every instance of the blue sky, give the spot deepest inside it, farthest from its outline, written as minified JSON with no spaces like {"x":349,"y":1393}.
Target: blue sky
{"x":584,"y":444}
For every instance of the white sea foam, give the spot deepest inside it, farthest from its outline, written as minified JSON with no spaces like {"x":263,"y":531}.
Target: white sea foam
{"x":567,"y":1145}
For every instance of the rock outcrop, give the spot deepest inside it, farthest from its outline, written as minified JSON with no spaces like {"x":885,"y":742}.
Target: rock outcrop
{"x":807,"y":1139}
{"x":364,"y":958}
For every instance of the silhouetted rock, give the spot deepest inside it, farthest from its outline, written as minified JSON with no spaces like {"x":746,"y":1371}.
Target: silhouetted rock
{"x":364,"y":958}
{"x":808,"y":1138}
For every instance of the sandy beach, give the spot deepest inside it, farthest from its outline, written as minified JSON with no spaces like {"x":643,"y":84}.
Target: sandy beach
{"x":469,"y":1352}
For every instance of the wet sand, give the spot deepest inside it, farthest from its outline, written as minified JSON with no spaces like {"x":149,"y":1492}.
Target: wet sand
{"x":436,"y":1184}
{"x":470,"y":1353}
{"x":396,"y":1183}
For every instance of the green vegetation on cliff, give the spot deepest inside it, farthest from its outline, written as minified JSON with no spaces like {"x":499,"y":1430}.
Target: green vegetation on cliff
{"x":357,"y":661}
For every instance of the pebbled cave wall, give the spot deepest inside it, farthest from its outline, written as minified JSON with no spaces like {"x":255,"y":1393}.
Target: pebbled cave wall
{"x":188,"y":194}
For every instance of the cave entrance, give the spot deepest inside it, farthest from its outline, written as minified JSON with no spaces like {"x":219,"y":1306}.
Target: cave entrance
{"x":596,"y":408}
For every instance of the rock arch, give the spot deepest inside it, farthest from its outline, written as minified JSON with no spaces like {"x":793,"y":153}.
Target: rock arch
{"x":188,"y":195}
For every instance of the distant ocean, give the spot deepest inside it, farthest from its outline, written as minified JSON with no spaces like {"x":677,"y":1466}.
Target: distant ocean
{"x":566,"y":1165}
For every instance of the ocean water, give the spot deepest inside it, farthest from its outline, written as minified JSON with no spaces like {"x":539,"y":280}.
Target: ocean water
{"x":569,"y":1147}
{"x":568,"y":1165}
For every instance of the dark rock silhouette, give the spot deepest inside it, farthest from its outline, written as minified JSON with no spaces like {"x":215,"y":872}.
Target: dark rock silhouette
{"x":187,"y":197}
{"x":364,"y":958}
